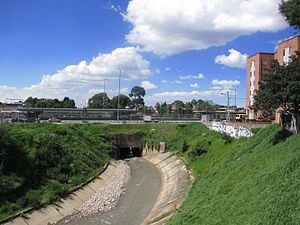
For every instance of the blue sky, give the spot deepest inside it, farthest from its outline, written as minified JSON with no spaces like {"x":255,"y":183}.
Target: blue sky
{"x":175,"y":49}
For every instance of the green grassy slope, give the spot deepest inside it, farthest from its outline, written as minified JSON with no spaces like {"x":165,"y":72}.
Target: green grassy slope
{"x":41,"y":162}
{"x":255,"y":181}
{"x":245,"y":181}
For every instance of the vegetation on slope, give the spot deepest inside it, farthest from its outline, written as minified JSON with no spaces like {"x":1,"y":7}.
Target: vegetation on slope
{"x":41,"y":162}
{"x":253,"y":181}
{"x":245,"y":181}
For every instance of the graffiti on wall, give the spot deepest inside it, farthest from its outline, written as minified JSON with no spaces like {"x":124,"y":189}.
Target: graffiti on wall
{"x":231,"y":130}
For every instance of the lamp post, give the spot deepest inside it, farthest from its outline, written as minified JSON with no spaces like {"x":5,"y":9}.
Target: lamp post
{"x":118,"y":110}
{"x":235,"y":97}
{"x":104,"y":93}
{"x":228,"y":110}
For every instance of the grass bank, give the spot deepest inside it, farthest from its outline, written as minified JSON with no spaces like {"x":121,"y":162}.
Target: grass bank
{"x":253,"y":181}
{"x":41,"y":162}
{"x":245,"y":181}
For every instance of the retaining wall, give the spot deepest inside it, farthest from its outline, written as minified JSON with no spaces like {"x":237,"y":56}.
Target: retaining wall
{"x":174,"y":186}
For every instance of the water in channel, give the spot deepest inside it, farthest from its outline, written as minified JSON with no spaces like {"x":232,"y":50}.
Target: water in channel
{"x":133,"y":207}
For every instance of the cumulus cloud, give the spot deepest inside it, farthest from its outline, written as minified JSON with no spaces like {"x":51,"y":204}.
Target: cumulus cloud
{"x":194,"y":85}
{"x":234,"y":59}
{"x":224,"y":84}
{"x":147,"y":85}
{"x":172,"y":26}
{"x":188,"y":77}
{"x":170,"y":96}
{"x":164,"y":81}
{"x":76,"y":80}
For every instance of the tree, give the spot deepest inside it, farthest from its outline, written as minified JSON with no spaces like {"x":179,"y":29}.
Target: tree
{"x":99,"y":101}
{"x":49,"y":103}
{"x":68,"y":103}
{"x":280,"y":89}
{"x":290,"y":10}
{"x":137,"y":96}
{"x":125,"y":102}
{"x":158,"y":108}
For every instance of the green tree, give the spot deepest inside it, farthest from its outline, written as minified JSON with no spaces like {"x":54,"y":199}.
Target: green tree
{"x":68,"y":103}
{"x":125,"y":102}
{"x":96,"y":102}
{"x":137,"y":96}
{"x":49,"y":103}
{"x":281,"y":89}
{"x":291,"y":11}
{"x":158,"y":108}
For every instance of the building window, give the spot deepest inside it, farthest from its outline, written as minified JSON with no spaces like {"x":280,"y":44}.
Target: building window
{"x":264,"y":62}
{"x":286,"y":55}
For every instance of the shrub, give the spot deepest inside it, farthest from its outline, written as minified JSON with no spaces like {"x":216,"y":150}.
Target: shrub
{"x":197,"y":151}
{"x":185,"y":146}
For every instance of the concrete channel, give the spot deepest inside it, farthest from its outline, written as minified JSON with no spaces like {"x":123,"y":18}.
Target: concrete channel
{"x":157,"y":188}
{"x":134,"y":206}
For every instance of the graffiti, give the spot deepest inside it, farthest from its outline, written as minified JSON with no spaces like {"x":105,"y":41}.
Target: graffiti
{"x":231,"y":130}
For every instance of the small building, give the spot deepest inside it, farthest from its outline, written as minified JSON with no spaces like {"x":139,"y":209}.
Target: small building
{"x":11,"y":110}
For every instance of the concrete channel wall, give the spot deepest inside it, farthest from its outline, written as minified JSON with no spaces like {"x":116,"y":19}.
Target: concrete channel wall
{"x":174,"y":187}
{"x":52,"y":213}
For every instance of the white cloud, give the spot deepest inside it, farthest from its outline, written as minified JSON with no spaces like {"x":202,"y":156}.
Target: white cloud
{"x":148,"y":85}
{"x":171,"y":26}
{"x":194,"y":85}
{"x":75,"y":81}
{"x":164,"y":81}
{"x":188,"y":77}
{"x":224,"y":84}
{"x":234,"y":59}
{"x":170,"y":96}
{"x":167,"y":69}
{"x":178,"y":82}
{"x":124,"y":90}
{"x":157,"y":71}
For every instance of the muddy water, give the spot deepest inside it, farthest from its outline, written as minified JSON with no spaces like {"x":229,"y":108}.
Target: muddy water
{"x":133,"y":207}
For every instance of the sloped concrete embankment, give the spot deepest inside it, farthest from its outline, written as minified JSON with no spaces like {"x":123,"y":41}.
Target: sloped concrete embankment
{"x":66,"y":206}
{"x":174,"y":186}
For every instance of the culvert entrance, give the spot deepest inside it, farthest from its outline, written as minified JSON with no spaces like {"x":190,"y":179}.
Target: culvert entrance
{"x":128,"y":145}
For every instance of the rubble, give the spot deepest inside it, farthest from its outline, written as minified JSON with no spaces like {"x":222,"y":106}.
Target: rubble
{"x":106,"y":198}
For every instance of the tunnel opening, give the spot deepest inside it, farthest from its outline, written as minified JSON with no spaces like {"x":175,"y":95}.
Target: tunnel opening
{"x":125,"y":153}
{"x":127,"y":145}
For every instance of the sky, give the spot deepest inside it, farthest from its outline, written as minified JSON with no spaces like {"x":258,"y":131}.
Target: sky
{"x":175,"y":49}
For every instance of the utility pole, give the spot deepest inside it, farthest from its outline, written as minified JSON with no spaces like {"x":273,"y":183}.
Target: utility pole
{"x":235,"y":98}
{"x":104,"y":93}
{"x":228,"y":109}
{"x":118,"y":110}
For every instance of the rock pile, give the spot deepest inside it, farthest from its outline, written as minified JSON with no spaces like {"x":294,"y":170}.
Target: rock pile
{"x":107,"y":196}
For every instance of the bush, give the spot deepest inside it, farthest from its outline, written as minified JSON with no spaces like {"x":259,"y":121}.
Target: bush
{"x":185,"y":146}
{"x":197,"y":151}
{"x":227,"y":139}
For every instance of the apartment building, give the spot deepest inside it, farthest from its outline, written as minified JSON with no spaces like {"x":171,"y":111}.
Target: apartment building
{"x":259,"y":64}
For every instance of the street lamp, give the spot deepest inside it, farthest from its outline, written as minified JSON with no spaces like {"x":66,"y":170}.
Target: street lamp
{"x":118,"y":110}
{"x":235,"y":97}
{"x":228,"y":110}
{"x":104,"y":93}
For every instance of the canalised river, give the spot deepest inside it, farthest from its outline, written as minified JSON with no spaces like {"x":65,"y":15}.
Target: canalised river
{"x":133,"y":207}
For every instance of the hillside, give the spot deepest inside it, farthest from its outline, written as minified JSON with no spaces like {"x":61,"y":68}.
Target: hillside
{"x":245,"y":181}
{"x":253,"y":181}
{"x":42,"y":162}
